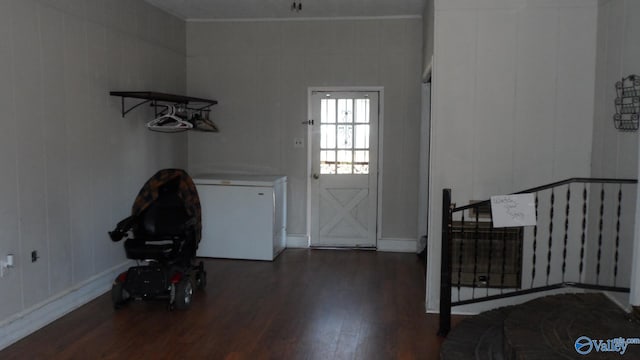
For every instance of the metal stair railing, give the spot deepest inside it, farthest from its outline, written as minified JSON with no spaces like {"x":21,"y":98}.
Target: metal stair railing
{"x":482,"y":263}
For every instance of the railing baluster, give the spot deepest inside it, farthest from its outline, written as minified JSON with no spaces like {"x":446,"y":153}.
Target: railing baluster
{"x":519,"y":256}
{"x":504,"y":258}
{"x":615,"y":264}
{"x":460,"y":258}
{"x":445,"y":265}
{"x":550,"y":235}
{"x":490,"y":254}
{"x":535,"y":245}
{"x":475,"y":255}
{"x":600,"y":226}
{"x":583,"y":237}
{"x":566,"y":232}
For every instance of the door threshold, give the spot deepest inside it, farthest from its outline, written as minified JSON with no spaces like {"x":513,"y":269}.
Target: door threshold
{"x":364,"y":248}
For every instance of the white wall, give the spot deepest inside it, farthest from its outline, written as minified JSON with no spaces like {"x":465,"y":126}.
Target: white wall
{"x":71,"y":166}
{"x":513,"y":87}
{"x":615,"y":153}
{"x":260,"y":71}
{"x":428,"y":16}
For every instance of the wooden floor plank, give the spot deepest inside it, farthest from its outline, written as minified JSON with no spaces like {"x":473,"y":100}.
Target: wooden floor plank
{"x":308,"y":304}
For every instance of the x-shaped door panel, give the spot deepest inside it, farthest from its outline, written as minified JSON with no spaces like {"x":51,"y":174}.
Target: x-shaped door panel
{"x":343,"y":212}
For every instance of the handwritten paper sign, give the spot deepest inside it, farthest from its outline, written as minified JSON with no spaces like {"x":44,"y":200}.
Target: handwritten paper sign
{"x":513,"y":210}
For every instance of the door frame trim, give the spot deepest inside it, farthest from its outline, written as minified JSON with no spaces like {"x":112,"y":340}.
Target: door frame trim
{"x":380,"y":91}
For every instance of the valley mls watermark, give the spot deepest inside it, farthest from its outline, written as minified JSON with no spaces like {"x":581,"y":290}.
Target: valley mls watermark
{"x":585,"y":345}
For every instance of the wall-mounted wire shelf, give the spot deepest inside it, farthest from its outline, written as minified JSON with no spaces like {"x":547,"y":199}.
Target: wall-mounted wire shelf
{"x":627,"y":116}
{"x":157,"y":99}
{"x":171,"y":111}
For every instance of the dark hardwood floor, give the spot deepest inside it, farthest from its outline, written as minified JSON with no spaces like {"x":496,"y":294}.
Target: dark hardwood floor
{"x":308,"y":304}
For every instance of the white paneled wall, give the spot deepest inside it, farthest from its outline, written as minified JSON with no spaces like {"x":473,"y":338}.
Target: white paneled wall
{"x":71,"y":166}
{"x":615,"y":152}
{"x":428,"y":14}
{"x":260,"y":72}
{"x":513,"y":87}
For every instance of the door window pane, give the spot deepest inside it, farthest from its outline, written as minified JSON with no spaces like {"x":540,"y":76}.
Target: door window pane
{"x":362,"y":136}
{"x":345,"y":136}
{"x":328,"y":111}
{"x":328,"y":136}
{"x":345,"y":160}
{"x":361,"y":162}
{"x":362,"y":110}
{"x":345,"y":110}
{"x":327,"y":162}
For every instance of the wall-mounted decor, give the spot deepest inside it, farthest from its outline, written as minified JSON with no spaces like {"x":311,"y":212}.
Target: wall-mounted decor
{"x":296,"y":6}
{"x":627,"y":114}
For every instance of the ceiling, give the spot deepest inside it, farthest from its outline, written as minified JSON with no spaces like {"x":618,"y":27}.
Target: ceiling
{"x":267,"y":9}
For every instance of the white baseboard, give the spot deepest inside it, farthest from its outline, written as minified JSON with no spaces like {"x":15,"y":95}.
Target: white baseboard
{"x":301,"y":241}
{"x":28,"y":321}
{"x":397,"y":245}
{"x":297,"y":241}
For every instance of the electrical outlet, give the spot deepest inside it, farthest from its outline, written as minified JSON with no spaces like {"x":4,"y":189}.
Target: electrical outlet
{"x":298,"y":142}
{"x":34,"y":256}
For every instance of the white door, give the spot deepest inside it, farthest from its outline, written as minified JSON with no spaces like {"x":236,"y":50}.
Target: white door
{"x":344,"y":168}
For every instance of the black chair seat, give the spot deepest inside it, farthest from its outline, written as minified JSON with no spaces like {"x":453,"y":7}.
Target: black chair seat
{"x":139,"y":249}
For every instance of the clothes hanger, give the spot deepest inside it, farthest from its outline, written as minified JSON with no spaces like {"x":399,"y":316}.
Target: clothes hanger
{"x":169,"y":122}
{"x":201,"y":123}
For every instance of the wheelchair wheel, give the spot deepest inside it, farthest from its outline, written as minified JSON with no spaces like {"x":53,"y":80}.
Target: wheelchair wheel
{"x":119,"y":295}
{"x":184,"y":293}
{"x":201,"y":277}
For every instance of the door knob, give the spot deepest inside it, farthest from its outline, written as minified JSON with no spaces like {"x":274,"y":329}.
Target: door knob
{"x":316,"y":176}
